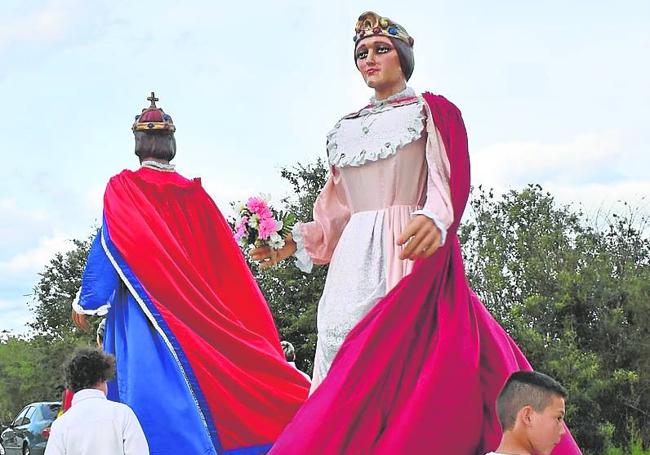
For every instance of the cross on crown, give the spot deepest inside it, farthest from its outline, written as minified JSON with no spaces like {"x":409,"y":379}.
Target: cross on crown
{"x":153,"y":100}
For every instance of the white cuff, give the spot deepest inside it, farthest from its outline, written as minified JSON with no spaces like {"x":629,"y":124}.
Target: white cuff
{"x":303,"y":260}
{"x":101,"y":311}
{"x":439,"y":224}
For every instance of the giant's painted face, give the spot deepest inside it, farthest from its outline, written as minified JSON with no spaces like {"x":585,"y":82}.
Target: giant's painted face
{"x":378,"y":62}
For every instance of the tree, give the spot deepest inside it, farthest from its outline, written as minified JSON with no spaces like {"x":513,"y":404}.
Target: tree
{"x":30,"y":366}
{"x":574,"y":295}
{"x":30,"y":370}
{"x":56,"y":289}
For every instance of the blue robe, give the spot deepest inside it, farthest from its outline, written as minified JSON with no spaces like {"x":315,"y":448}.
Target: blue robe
{"x":161,"y":398}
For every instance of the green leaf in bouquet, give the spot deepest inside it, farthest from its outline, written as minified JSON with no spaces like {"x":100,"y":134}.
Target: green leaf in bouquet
{"x":288,"y":221}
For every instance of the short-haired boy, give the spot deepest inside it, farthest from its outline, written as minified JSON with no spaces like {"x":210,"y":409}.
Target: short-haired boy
{"x":531,"y":411}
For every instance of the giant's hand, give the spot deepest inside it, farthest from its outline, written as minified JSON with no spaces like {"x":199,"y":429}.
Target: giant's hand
{"x":80,"y":321}
{"x":422,"y":238}
{"x":268,"y":257}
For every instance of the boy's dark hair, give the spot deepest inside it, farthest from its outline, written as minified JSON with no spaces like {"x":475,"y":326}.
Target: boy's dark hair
{"x":88,"y":367}
{"x":526,"y":388}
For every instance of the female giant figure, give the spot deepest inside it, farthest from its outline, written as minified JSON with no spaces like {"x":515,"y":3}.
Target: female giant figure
{"x":417,"y":359}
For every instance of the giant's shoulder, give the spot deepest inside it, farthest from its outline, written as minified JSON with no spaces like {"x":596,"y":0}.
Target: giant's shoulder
{"x":441,"y":102}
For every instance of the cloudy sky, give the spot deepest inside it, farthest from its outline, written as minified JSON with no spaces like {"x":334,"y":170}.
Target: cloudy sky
{"x":552,"y":92}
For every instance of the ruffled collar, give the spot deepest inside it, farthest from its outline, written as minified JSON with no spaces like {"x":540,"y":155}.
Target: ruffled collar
{"x":376,"y":131}
{"x":151,"y":164}
{"x":408,"y":92}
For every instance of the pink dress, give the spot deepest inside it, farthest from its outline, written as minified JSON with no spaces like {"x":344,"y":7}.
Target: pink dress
{"x":387,"y":164}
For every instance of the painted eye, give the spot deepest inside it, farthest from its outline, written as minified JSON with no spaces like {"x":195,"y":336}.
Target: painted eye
{"x":383,"y":49}
{"x":362,"y":54}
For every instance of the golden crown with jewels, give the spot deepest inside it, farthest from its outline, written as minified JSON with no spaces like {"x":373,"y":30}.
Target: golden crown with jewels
{"x":153,"y":119}
{"x":372,"y":24}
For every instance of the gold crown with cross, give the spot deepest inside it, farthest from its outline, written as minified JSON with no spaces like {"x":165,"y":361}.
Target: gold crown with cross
{"x":153,"y":118}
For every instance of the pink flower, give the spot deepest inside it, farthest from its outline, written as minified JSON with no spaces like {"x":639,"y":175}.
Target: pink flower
{"x":265,"y":213}
{"x":267,"y":227}
{"x":257,"y":205}
{"x":240,"y":228}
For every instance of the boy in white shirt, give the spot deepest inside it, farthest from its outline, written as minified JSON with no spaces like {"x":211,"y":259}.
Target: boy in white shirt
{"x":531,"y":411}
{"x":94,"y":425}
{"x":290,"y":355}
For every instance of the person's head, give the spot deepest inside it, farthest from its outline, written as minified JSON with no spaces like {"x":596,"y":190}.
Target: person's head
{"x":154,"y":133}
{"x":531,"y":406}
{"x":89,"y":368}
{"x":383,"y":53}
{"x":289,"y":351}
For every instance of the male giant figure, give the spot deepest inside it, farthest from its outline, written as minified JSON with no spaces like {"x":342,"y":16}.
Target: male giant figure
{"x":197,"y":352}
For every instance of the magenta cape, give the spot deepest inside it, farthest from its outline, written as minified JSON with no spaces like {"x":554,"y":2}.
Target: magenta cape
{"x":176,"y":254}
{"x":421,"y":372}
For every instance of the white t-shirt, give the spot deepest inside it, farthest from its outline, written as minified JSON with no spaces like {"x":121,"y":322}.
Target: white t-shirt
{"x":305,"y":375}
{"x":95,"y":425}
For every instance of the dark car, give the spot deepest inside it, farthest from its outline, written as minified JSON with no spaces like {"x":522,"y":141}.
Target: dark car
{"x":28,"y":433}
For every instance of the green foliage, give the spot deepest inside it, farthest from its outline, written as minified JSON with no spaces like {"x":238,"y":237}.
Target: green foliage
{"x":635,"y":446}
{"x":56,"y":289}
{"x":574,"y":295}
{"x":30,"y":366}
{"x":30,"y":370}
{"x":288,"y":221}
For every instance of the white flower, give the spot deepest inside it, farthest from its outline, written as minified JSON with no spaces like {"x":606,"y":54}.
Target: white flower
{"x":253,"y":221}
{"x":275,"y":241}
{"x":279,"y":224}
{"x":239,"y":207}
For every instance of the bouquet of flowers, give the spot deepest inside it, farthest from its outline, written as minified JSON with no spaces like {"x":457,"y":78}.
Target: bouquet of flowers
{"x":258,"y":224}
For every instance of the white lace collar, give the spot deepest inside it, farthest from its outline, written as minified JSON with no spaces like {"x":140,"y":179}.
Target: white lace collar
{"x":377,"y":131}
{"x":151,"y":164}
{"x":408,"y":92}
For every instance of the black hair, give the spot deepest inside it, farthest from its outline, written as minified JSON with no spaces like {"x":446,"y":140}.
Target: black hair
{"x":88,"y":367}
{"x":526,"y":388}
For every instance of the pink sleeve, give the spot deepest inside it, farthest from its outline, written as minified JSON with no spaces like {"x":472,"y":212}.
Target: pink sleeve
{"x":331,"y":214}
{"x":437,"y":205}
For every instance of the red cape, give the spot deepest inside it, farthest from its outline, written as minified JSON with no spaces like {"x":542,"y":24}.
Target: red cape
{"x":200,"y":294}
